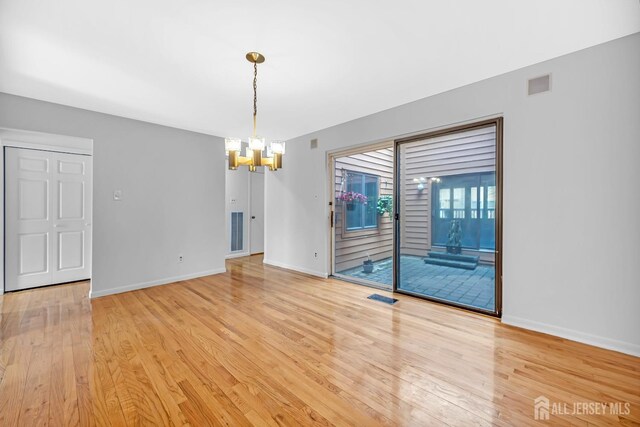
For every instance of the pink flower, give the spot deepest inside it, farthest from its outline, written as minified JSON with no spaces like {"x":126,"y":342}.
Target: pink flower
{"x":353,"y":197}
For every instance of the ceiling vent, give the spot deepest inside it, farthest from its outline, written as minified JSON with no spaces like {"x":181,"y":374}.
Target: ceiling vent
{"x":539,"y":84}
{"x":314,"y":143}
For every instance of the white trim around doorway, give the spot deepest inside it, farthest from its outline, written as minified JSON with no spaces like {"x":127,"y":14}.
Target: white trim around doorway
{"x":36,"y":141}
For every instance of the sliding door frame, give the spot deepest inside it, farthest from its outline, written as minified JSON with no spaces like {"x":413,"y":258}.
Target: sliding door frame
{"x":498,"y":123}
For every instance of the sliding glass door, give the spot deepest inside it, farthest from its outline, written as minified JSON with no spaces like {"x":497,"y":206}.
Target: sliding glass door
{"x":362,"y":217}
{"x":448,"y":229}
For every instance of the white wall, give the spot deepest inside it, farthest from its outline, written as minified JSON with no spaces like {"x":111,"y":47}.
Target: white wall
{"x":173,"y":191}
{"x":571,"y":204}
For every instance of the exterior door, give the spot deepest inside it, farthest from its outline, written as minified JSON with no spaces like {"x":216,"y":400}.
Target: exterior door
{"x":256,"y":227}
{"x":448,"y":217}
{"x":48,"y":218}
{"x":361,"y":217}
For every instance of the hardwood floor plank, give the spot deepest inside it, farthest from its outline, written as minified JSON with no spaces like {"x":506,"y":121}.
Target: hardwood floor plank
{"x":266,"y":346}
{"x":56,"y":371}
{"x":233,"y":360}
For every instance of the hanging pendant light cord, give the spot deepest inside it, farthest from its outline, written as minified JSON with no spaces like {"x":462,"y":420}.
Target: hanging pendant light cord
{"x":255,"y":96}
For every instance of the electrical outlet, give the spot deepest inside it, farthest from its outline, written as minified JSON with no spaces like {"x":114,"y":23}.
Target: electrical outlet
{"x":180,"y":258}
{"x":315,"y":255}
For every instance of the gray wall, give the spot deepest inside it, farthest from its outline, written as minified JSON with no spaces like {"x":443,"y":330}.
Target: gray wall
{"x":571,"y":229}
{"x":173,"y":194}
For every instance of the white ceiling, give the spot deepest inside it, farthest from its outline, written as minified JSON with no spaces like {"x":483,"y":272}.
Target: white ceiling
{"x":181,"y":62}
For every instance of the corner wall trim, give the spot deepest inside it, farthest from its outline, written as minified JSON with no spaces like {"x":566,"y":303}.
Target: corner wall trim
{"x":573,"y":335}
{"x":294,"y":268}
{"x":157,"y":282}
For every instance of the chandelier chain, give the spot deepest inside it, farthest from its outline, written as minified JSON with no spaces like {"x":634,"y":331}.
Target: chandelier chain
{"x":255,"y":89}
{"x":255,"y":95}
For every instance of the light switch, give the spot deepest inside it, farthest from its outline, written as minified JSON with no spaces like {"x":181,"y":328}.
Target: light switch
{"x":117,"y":195}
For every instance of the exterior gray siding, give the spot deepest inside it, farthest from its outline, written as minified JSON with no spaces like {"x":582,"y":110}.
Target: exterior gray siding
{"x":351,"y":248}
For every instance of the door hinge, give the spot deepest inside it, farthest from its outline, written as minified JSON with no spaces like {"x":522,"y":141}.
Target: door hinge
{"x":331,"y":219}
{"x":397,"y":217}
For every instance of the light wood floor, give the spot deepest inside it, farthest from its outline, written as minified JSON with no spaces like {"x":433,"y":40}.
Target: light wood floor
{"x":264,"y":346}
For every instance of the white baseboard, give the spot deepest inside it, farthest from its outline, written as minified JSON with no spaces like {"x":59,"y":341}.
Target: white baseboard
{"x":237,"y":255}
{"x":165,"y":281}
{"x":294,"y":268}
{"x":573,"y":335}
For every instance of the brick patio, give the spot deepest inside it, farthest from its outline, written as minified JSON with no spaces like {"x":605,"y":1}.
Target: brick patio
{"x":469,"y":287}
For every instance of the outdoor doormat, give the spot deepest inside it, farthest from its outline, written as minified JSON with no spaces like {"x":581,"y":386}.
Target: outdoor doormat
{"x":382,"y":298}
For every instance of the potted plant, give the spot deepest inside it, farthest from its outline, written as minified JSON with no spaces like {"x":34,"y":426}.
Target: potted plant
{"x":367,"y":265}
{"x":350,"y":198}
{"x":454,"y":246}
{"x":385,"y":205}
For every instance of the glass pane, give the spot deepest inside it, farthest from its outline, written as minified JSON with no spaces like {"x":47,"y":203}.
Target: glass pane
{"x":446,"y":241}
{"x":458,"y":203}
{"x":363,"y":233}
{"x":445,"y":198}
{"x":474,"y":202}
{"x":458,"y":198}
{"x":491,"y":197}
{"x":353,"y":206}
{"x":371,"y":186}
{"x":474,"y":198}
{"x":354,"y":216}
{"x":370,"y":209}
{"x":354,"y":182}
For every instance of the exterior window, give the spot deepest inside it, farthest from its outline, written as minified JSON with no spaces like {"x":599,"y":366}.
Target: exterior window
{"x":360,"y":216}
{"x":471,"y":200}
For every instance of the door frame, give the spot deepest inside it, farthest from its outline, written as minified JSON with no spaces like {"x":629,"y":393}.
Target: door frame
{"x":19,"y":138}
{"x":498,"y":123}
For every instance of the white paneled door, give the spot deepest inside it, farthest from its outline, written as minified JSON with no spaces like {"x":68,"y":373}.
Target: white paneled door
{"x":47,"y":218}
{"x":256,"y":227}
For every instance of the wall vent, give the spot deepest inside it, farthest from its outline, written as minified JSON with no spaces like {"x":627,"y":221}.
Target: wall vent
{"x":539,"y":84}
{"x":314,"y":143}
{"x":237,"y":231}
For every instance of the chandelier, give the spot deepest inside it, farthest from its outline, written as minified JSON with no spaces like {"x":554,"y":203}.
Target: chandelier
{"x":256,"y":145}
